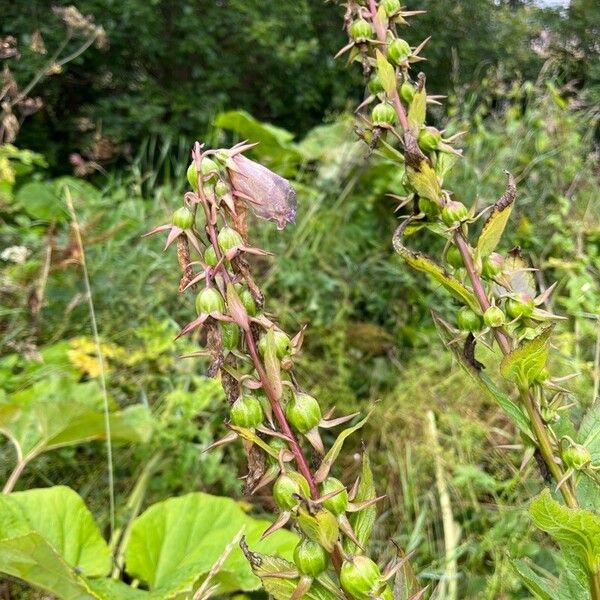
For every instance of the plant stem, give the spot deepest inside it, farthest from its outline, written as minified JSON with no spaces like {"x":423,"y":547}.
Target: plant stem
{"x":543,"y":440}
{"x":595,"y":586}
{"x":14,"y":476}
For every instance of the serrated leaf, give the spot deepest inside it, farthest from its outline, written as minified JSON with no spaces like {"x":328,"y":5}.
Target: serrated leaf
{"x":423,"y":263}
{"x":525,"y":363}
{"x":363,"y":521}
{"x":334,"y":451}
{"x":496,"y":222}
{"x":575,"y":529}
{"x":387,"y":73}
{"x":417,"y":112}
{"x":424,"y":181}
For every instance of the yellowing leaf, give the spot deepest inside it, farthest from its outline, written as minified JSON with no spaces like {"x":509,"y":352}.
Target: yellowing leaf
{"x":424,"y":181}
{"x":525,"y":363}
{"x":387,"y":74}
{"x":417,"y":111}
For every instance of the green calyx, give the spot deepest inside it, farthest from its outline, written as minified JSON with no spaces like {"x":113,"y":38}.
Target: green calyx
{"x":287,"y":487}
{"x":361,"y":30}
{"x":407,"y":92}
{"x":454,"y":258}
{"x":303,"y":412}
{"x":468,"y":320}
{"x":492,"y":265}
{"x":360,"y":577}
{"x":494,"y":317}
{"x":183,"y":218}
{"x":209,"y":168}
{"x":399,"y":51}
{"x":339,"y":503}
{"x":229,"y":238}
{"x":521,"y":307}
{"x":383,"y":114}
{"x":210,"y":256}
{"x":429,"y":207}
{"x":310,"y":558}
{"x":248,"y":302}
{"x":374,"y":85}
{"x":209,"y":300}
{"x":247,"y":412}
{"x":429,"y":139}
{"x":454,"y":212}
{"x":230,"y":335}
{"x":282,"y":344}
{"x":577,"y":457}
{"x":391,"y":7}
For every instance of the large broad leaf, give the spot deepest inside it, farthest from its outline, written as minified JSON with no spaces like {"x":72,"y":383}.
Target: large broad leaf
{"x":363,"y":521}
{"x":42,"y":418}
{"x":524,"y":364}
{"x":575,"y":529}
{"x":61,"y":517}
{"x":41,"y":201}
{"x":589,"y":435}
{"x":174,"y":544}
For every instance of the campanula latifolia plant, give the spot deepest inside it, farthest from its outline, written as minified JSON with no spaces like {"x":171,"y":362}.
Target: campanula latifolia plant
{"x":498,"y":301}
{"x":278,"y":422}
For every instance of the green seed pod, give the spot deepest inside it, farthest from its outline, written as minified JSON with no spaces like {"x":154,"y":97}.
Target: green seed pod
{"x":339,"y":503}
{"x":282,"y":344}
{"x":230,"y":335}
{"x":468,"y":320}
{"x":429,"y":207}
{"x":391,"y":7}
{"x":246,"y":412}
{"x":286,"y":486}
{"x":429,"y":139}
{"x":454,"y":212}
{"x":208,"y":166}
{"x":523,"y":306}
{"x":209,"y":300}
{"x":221,"y":189}
{"x":399,"y":51}
{"x":248,"y":302}
{"x":210,"y":256}
{"x":492,"y":265}
{"x":303,"y":412}
{"x":577,"y":457}
{"x":494,"y":317}
{"x":383,"y":114}
{"x":277,"y":444}
{"x":310,"y":558}
{"x":360,"y":577}
{"x":374,"y":85}
{"x":183,"y":218}
{"x":407,"y":92}
{"x":454,"y":258}
{"x":229,"y":238}
{"x":361,"y":30}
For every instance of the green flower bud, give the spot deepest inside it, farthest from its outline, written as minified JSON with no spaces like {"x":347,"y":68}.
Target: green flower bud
{"x":229,"y":238}
{"x":407,"y":92}
{"x":523,"y":306}
{"x":246,"y":412}
{"x":310,"y":558}
{"x":429,"y":207}
{"x":399,"y":51}
{"x":454,"y":258}
{"x":383,"y":114}
{"x":391,"y":7}
{"x":282,"y":344}
{"x":429,"y":139}
{"x":494,"y":317}
{"x":183,"y":218}
{"x":492,"y":265}
{"x":209,"y":300}
{"x":577,"y":457}
{"x":468,"y":320}
{"x":248,"y":302}
{"x":210,"y":256}
{"x":303,"y":412}
{"x":454,"y":212}
{"x":339,"y":503}
{"x":221,"y":189}
{"x":360,"y":577}
{"x":230,"y":335}
{"x":374,"y":85}
{"x":361,"y":30}
{"x":208,"y":166}
{"x":287,"y":485}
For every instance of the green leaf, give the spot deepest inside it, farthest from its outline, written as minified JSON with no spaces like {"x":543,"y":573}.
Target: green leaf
{"x":61,"y":517}
{"x":496,"y":223}
{"x":387,"y":73}
{"x":516,"y":275}
{"x":321,"y":527}
{"x":363,"y":521}
{"x":575,"y":529}
{"x":541,"y":587}
{"x":417,"y":113}
{"x":524,"y":364}
{"x":589,"y":431}
{"x":423,"y":263}
{"x":174,"y":543}
{"x":424,"y":181}
{"x":334,"y":451}
{"x":41,"y":201}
